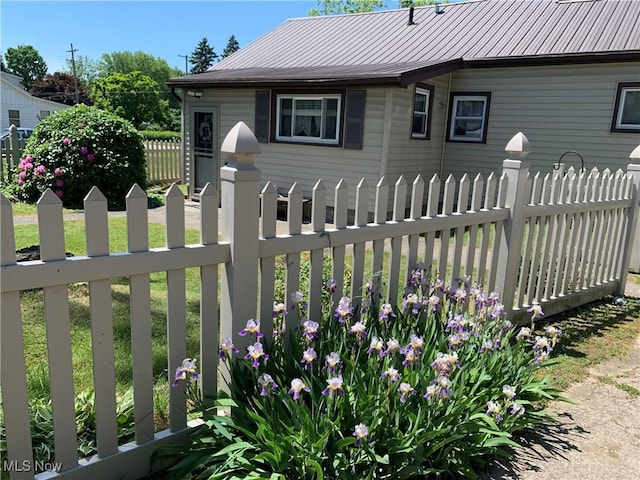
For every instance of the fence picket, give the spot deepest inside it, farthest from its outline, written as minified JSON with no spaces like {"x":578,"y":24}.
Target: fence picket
{"x":499,"y":226}
{"x":417,"y":197}
{"x":269,"y":206}
{"x":209,"y":294}
{"x":176,"y":308}
{"x":607,"y":182}
{"x":316,"y":270}
{"x":476,"y":204}
{"x":445,"y":235}
{"x":56,"y":305}
{"x":292,"y":269}
{"x":489,"y":204}
{"x":340,"y":208}
{"x":433,"y":197}
{"x":399,"y":206}
{"x":463,"y":202}
{"x":380,"y":217}
{"x":140,"y":305}
{"x":97,"y":236}
{"x":361,"y":213}
{"x":13,"y":380}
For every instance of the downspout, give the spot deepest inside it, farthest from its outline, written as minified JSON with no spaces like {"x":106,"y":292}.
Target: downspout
{"x":386,"y":131}
{"x":444,"y":134}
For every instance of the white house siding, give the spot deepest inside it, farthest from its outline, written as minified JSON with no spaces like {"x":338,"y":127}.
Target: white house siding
{"x":14,"y":97}
{"x":558,"y":108}
{"x":283,"y":163}
{"x":410,"y":157}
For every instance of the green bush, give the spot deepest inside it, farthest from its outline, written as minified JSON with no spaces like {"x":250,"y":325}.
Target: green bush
{"x":77,"y":148}
{"x":433,"y":388}
{"x":159,"y":135}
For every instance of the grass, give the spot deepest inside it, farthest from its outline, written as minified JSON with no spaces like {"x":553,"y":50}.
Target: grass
{"x":593,"y":334}
{"x":35,"y":329}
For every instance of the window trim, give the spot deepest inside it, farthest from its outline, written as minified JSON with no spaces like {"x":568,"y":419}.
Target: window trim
{"x":621,"y":91}
{"x":295,"y":139}
{"x":423,"y":88}
{"x":453,"y":99}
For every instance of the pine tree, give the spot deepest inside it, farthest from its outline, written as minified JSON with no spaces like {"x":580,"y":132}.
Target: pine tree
{"x":232,"y":46}
{"x":202,"y":57}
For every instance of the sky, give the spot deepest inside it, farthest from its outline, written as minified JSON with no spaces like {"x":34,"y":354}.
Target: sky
{"x":162,"y":28}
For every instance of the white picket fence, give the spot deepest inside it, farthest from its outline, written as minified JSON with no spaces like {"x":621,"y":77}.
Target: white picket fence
{"x":164,"y":161}
{"x":562,"y":240}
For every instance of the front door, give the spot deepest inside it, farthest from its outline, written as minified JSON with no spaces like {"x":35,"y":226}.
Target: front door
{"x":205,"y":156}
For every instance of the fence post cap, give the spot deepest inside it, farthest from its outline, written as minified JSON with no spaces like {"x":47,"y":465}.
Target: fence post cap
{"x":240,"y":139}
{"x":518,"y":145}
{"x":635,"y":155}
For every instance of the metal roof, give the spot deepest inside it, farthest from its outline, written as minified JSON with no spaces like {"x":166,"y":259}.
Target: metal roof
{"x":382,"y":47}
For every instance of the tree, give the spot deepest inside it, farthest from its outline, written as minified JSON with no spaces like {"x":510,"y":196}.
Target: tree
{"x":232,"y":46}
{"x":26,"y":62}
{"x":418,"y":3}
{"x":339,"y":7}
{"x":155,"y":67}
{"x":202,"y":57}
{"x":61,"y":87}
{"x":127,"y":62}
{"x":87,"y":69}
{"x":133,"y":96}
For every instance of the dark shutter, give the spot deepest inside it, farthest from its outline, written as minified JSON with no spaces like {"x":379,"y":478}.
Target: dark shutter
{"x":354,"y":119}
{"x":263,"y":103}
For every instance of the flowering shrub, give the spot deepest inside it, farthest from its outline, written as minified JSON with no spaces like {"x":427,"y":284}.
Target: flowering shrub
{"x":77,"y":148}
{"x":433,"y":388}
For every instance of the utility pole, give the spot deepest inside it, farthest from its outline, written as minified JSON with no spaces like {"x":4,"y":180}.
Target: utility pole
{"x":186,"y":64}
{"x":75,"y":77}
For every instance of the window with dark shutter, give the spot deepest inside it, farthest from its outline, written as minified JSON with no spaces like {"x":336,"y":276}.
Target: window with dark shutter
{"x":354,"y":119}
{"x":263,"y":103}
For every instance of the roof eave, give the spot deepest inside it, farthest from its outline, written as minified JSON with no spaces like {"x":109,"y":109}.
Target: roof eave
{"x":554,"y":59}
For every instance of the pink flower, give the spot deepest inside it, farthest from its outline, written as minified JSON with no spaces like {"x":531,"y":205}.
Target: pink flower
{"x":28,"y":165}
{"x":59,"y":193}
{"x":84,"y":150}
{"x":28,"y":159}
{"x":66,"y":141}
{"x":58,"y":172}
{"x":22,"y":175}
{"x":90,"y":157}
{"x":40,"y":169}
{"x":59,"y":182}
{"x":20,"y":181}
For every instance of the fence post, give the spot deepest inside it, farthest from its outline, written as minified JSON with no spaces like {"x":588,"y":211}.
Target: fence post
{"x":634,"y":240}
{"x":512,"y":233}
{"x":240,"y":193}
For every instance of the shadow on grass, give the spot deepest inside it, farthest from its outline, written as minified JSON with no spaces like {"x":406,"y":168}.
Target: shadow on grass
{"x":592,"y":320}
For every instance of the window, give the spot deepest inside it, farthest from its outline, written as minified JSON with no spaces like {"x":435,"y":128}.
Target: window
{"x":308,"y":118}
{"x":468,"y":117}
{"x":44,"y":114}
{"x":14,"y":117}
{"x":421,"y":126}
{"x":626,"y":115}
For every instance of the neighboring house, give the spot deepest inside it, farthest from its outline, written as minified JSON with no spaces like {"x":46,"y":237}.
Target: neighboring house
{"x":425,"y":90}
{"x":19,"y":107}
